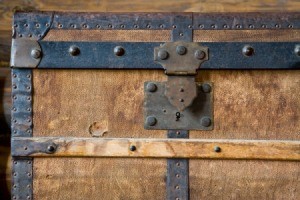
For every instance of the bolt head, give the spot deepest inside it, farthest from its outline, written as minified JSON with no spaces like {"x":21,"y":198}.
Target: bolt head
{"x":297,"y":50}
{"x":163,"y":54}
{"x":36,"y":54}
{"x":248,"y":51}
{"x":199,"y":54}
{"x":151,"y":121}
{"x":132,"y":148}
{"x":217,"y":149}
{"x":206,"y":88}
{"x":119,"y":51}
{"x":74,"y":51}
{"x":181,"y":50}
{"x":151,"y":87}
{"x":205,"y":121}
{"x":51,"y":149}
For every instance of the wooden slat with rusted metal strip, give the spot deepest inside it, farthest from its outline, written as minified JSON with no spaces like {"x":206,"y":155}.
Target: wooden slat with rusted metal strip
{"x":156,"y":148}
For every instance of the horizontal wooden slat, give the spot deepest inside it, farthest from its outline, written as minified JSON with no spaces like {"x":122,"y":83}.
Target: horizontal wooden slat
{"x":157,"y":148}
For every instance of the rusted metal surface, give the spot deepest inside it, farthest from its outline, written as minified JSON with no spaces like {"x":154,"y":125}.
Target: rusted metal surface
{"x":246,"y":21}
{"x":180,"y":63}
{"x":21,"y":126}
{"x":167,"y":116}
{"x":25,"y":53}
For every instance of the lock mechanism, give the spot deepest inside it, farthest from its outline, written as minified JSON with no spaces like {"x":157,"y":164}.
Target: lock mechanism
{"x":179,"y":103}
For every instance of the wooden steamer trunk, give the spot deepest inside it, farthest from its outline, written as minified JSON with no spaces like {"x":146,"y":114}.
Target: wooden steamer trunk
{"x":155,"y":106}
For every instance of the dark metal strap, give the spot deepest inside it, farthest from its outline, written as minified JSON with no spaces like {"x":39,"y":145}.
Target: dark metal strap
{"x":178,"y":172}
{"x":21,"y":127}
{"x":139,"y":55}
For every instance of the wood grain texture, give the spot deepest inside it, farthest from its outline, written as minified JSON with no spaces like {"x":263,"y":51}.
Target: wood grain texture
{"x":158,"y":148}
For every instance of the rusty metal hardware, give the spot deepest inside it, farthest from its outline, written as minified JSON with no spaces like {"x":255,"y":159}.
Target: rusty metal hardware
{"x":25,"y":53}
{"x":181,"y":61}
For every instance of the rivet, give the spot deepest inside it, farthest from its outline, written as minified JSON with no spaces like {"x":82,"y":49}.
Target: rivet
{"x":151,"y":87}
{"x":35,"y":53}
{"x":181,"y":100}
{"x":251,"y":26}
{"x":14,"y":197}
{"x":15,"y":186}
{"x":190,"y":26}
{"x":135,"y":26}
{"x":181,"y":50}
{"x":25,"y":148}
{"x":161,"y":26}
{"x":148,"y":26}
{"x":238,"y":26}
{"x":132,"y":148}
{"x":178,"y":164}
{"x":14,"y":75}
{"x":177,"y":198}
{"x":20,"y":35}
{"x":98,"y":26}
{"x":163,"y":54}
{"x":180,"y":34}
{"x":178,"y":132}
{"x":225,"y":26}
{"x":122,"y":26}
{"x":206,"y":88}
{"x":199,"y":54}
{"x":60,"y":25}
{"x":28,"y":197}
{"x":37,"y":25}
{"x":264,"y":26}
{"x":110,"y":26}
{"x":177,"y":187}
{"x":39,"y":35}
{"x":29,"y":35}
{"x":205,"y":121}
{"x":84,"y":26}
{"x":290,"y":26}
{"x":177,"y":176}
{"x":15,"y":174}
{"x":47,"y":24}
{"x":28,"y":174}
{"x":201,"y":26}
{"x":213,"y":26}
{"x":74,"y":50}
{"x":174,"y":26}
{"x":25,"y":25}
{"x":248,"y":51}
{"x":119,"y":51}
{"x":14,"y":109}
{"x":181,"y":90}
{"x":28,"y":76}
{"x":15,"y":162}
{"x":151,"y":121}
{"x":51,"y":149}
{"x":217,"y":149}
{"x":277,"y":25}
{"x":297,"y":50}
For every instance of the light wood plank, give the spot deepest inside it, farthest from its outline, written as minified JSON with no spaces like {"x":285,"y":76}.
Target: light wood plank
{"x":158,"y":148}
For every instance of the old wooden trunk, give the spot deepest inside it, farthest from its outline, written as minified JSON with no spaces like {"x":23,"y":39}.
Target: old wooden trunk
{"x":155,"y":106}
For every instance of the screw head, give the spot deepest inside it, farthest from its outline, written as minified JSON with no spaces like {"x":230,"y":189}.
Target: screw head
{"x":151,"y":87}
{"x":162,"y":54}
{"x":248,"y":51}
{"x":51,"y":148}
{"x":119,"y":51}
{"x":151,"y":121}
{"x":297,"y":50}
{"x":74,"y":51}
{"x":132,"y":148}
{"x":36,"y":54}
{"x":217,"y":149}
{"x":206,"y":88}
{"x":199,"y":54}
{"x":205,"y":121}
{"x":181,"y":50}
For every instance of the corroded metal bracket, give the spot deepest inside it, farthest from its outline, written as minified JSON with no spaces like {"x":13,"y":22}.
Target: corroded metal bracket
{"x":25,"y":53}
{"x":179,"y":103}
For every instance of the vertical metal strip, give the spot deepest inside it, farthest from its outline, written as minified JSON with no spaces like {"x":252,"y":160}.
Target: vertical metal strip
{"x":21,"y":126}
{"x":178,"y":169}
{"x":178,"y":172}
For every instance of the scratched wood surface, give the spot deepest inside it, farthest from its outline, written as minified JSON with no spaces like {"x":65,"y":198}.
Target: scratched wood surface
{"x":215,"y":170}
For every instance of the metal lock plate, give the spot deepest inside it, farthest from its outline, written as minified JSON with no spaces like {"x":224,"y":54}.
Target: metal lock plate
{"x":159,"y":113}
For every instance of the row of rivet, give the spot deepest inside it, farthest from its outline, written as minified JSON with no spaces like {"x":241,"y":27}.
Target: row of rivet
{"x":149,"y":26}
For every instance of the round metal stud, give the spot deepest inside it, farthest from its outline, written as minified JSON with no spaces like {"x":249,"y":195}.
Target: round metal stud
{"x":151,"y":121}
{"x":206,"y":88}
{"x":205,"y":121}
{"x":151,"y":87}
{"x":35,"y":53}
{"x":199,"y":54}
{"x":163,"y":54}
{"x":217,"y":149}
{"x":51,"y":149}
{"x":74,"y":51}
{"x":181,"y":50}
{"x":248,"y":51}
{"x":119,"y":51}
{"x":132,"y":148}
